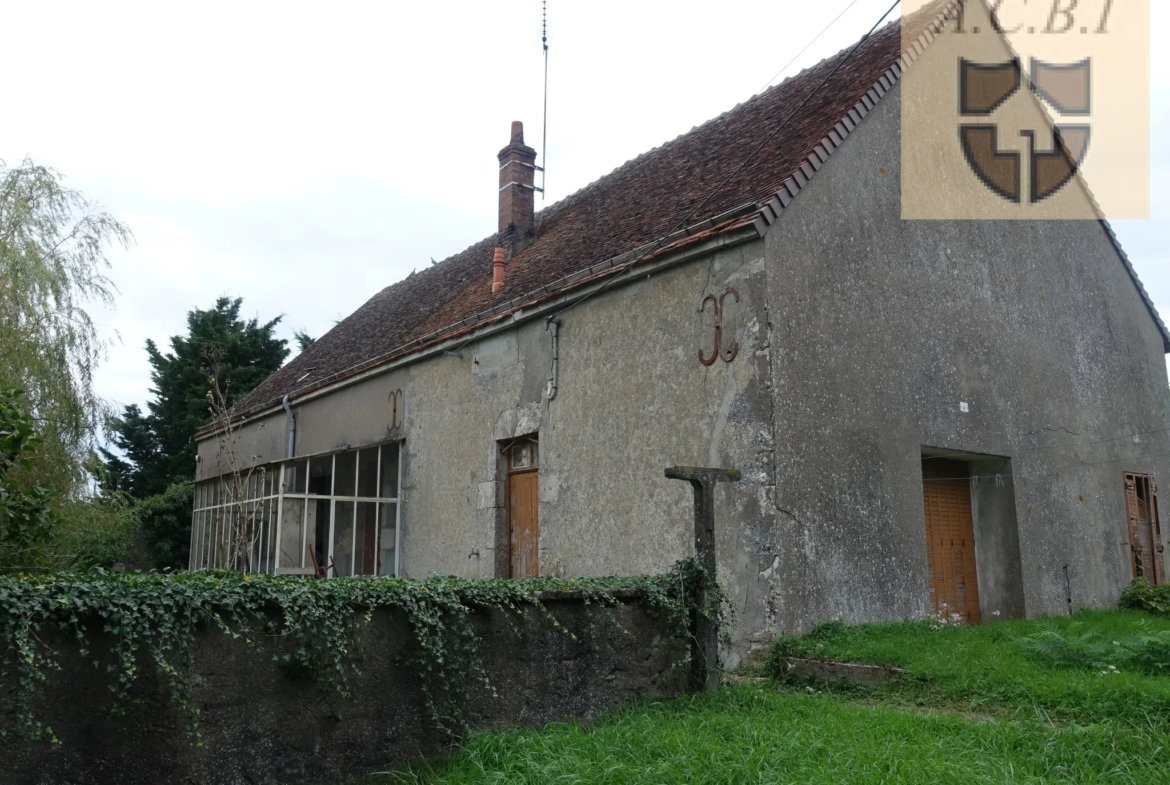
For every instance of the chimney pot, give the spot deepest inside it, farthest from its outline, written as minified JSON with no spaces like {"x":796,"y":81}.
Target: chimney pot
{"x":517,"y":181}
{"x":498,"y":269}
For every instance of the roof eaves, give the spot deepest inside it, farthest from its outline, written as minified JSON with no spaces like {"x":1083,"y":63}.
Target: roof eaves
{"x":728,"y":222}
{"x":771,"y":209}
{"x":1129,"y":268}
{"x":836,"y":136}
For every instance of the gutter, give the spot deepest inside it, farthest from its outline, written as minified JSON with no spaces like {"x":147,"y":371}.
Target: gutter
{"x":540,"y":303}
{"x":292,"y":427}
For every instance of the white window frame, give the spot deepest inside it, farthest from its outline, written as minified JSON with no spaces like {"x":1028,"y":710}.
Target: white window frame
{"x":206,"y":538}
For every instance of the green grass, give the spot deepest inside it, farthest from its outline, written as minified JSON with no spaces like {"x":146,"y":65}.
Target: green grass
{"x":973,"y":708}
{"x":980,"y":669}
{"x":747,"y":734}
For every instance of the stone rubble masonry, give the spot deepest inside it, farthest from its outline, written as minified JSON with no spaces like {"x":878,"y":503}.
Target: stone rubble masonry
{"x":260,"y":725}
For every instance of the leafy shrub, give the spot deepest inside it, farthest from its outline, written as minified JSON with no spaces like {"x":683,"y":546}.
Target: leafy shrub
{"x":165,"y":523}
{"x":99,"y":532}
{"x":26,"y":514}
{"x":1141,"y":596}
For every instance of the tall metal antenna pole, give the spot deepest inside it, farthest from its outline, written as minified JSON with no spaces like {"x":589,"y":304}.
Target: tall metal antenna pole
{"x":544,"y":139}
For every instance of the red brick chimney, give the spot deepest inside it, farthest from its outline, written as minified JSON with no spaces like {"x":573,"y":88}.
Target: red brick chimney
{"x":517,"y":178}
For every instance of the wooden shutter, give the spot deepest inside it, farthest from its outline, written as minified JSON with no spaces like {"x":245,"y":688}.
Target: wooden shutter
{"x":1158,"y":557}
{"x":1136,"y":518}
{"x":1145,"y":529}
{"x":950,"y":538}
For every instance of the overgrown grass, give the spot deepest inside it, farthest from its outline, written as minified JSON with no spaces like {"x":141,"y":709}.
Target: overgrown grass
{"x":982,"y":669}
{"x":973,"y":707}
{"x":753,"y":734}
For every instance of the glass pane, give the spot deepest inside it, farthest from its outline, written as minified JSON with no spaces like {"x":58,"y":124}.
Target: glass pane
{"x":294,"y":478}
{"x":346,"y":470}
{"x":368,"y":473}
{"x":266,"y":563}
{"x":227,"y":540}
{"x":387,"y":539}
{"x":389,"y":481}
{"x":204,"y":539}
{"x":343,"y":540}
{"x":524,"y":455}
{"x":212,"y":533}
{"x":256,"y":512}
{"x":216,"y":539}
{"x":260,"y":537}
{"x":317,"y":527}
{"x":196,"y":533}
{"x":321,"y":476}
{"x":292,"y":532}
{"x":365,"y":558}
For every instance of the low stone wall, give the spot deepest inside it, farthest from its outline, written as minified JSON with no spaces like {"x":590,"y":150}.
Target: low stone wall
{"x":261,"y":724}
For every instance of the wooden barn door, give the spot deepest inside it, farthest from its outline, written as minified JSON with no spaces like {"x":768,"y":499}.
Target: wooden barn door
{"x":523,"y":507}
{"x":950,"y":538}
{"x":1145,"y":536}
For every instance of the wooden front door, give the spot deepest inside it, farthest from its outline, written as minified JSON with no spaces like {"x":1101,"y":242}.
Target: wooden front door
{"x":523,"y":508}
{"x":950,"y":538}
{"x":1145,"y":535}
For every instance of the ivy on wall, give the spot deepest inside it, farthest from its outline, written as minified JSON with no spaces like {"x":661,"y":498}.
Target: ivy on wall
{"x":309,"y":626}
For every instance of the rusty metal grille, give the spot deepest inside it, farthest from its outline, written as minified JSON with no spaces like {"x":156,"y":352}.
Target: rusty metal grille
{"x":1145,"y":536}
{"x":950,"y":538}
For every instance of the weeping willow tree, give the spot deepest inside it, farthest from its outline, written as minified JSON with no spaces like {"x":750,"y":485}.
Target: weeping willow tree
{"x":53,"y":264}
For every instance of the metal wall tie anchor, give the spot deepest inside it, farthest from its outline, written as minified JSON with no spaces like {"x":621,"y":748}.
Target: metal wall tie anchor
{"x":730,"y":352}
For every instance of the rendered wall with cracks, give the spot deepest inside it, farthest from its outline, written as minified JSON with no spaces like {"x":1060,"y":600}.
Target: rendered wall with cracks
{"x":633,"y":399}
{"x":883,"y":326}
{"x":859,"y":334}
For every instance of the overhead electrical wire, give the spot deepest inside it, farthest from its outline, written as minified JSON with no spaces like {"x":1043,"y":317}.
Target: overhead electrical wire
{"x":806,"y":48}
{"x":686,"y":220}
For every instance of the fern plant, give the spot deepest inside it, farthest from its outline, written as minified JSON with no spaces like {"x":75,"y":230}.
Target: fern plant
{"x":1073,"y":646}
{"x":1080,"y":647}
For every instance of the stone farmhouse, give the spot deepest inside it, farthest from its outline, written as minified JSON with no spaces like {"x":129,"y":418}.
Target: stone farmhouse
{"x":965,"y":416}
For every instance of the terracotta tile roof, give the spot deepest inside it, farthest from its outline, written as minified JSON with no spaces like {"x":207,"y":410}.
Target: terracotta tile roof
{"x":633,"y":206}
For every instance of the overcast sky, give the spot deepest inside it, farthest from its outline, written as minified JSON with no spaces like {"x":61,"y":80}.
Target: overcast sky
{"x":303,"y":156}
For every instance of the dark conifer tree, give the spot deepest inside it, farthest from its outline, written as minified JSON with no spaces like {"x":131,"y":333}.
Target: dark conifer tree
{"x":158,"y":446}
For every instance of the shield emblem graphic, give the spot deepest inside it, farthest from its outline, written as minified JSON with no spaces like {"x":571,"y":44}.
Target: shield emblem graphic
{"x":984,"y":87}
